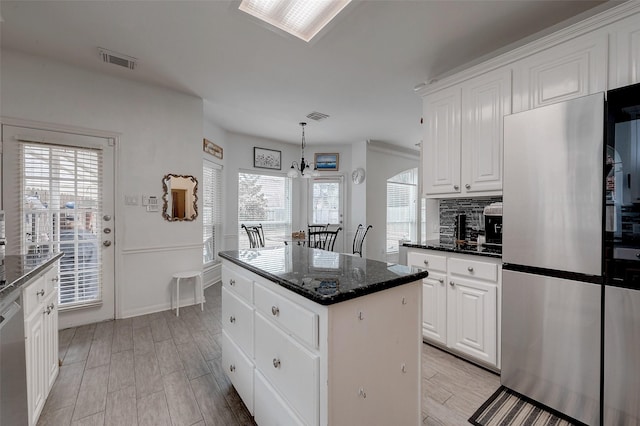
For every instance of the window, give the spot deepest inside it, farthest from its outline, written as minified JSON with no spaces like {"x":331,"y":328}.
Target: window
{"x":402,"y":196}
{"x":211,"y":200}
{"x":325,"y":201}
{"x":264,"y":199}
{"x":61,"y":191}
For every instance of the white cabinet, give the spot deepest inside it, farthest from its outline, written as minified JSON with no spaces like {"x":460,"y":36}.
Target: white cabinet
{"x":625,"y":53}
{"x":40,"y":298}
{"x":575,"y":68}
{"x":462,"y":153}
{"x":309,"y":364}
{"x":461,"y":300}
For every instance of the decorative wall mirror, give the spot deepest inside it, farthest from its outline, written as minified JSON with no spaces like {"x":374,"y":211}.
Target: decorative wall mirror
{"x":180,"y":197}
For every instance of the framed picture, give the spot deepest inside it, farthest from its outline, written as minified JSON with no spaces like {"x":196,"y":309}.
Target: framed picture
{"x":264,"y":158}
{"x":211,"y":148}
{"x":327,"y":162}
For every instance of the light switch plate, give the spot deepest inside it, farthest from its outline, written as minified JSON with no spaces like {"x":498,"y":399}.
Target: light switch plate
{"x":149,"y":200}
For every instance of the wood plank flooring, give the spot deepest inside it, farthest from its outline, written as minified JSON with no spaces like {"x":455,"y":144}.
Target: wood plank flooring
{"x":158,"y":369}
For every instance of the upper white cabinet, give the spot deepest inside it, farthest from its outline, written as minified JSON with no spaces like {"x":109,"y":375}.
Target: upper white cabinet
{"x":463,"y":136}
{"x":624,"y":45}
{"x":566,"y":71}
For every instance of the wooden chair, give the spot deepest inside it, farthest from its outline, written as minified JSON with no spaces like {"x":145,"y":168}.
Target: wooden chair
{"x":324,"y":240}
{"x":358,"y":240}
{"x":255,"y":234}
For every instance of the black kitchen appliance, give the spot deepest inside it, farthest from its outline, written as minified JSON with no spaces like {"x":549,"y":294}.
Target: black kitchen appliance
{"x":461,"y":228}
{"x":493,"y":224}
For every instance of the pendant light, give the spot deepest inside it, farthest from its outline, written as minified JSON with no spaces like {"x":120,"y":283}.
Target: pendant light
{"x":298,"y":169}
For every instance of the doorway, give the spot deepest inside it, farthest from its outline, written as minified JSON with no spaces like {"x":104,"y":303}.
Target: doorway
{"x":58,"y":196}
{"x":326,"y":198}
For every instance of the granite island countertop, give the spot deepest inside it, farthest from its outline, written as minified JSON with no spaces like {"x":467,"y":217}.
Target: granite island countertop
{"x":16,"y":270}
{"x":323,"y":276}
{"x":487,"y":251}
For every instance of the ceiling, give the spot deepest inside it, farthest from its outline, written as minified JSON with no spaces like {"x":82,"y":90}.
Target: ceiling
{"x":255,"y":80}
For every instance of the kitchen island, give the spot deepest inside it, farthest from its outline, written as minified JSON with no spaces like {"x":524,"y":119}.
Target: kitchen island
{"x":313,"y":337}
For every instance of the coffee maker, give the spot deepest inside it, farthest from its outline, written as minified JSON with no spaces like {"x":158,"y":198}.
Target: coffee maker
{"x":493,"y":224}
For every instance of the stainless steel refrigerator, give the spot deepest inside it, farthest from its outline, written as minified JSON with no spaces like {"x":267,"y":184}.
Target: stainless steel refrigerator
{"x":552,"y":254}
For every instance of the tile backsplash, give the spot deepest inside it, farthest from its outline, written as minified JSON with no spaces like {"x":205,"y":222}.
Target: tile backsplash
{"x":472,"y":207}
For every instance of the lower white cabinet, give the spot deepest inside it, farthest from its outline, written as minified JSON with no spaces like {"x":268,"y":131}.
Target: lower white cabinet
{"x":41,"y":338}
{"x":460,"y":301}
{"x":353,"y":362}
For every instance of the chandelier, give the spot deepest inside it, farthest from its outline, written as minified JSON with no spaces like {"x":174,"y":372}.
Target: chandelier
{"x":297,"y":169}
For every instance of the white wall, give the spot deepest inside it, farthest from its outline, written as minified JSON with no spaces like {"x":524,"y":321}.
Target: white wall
{"x":383,"y":162}
{"x":161,"y":132}
{"x":358,"y":194}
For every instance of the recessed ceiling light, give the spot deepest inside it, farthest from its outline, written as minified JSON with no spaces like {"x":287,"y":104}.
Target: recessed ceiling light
{"x":301,"y":18}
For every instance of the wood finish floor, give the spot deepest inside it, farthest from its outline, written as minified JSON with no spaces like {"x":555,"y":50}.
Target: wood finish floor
{"x":158,"y":369}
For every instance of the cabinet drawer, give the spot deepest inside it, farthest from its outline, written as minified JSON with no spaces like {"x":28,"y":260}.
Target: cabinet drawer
{"x":474,"y":269}
{"x":291,"y":368}
{"x":431,"y":262}
{"x":238,"y":283}
{"x":51,"y":277}
{"x":239,"y":369}
{"x":34,"y":294}
{"x":270,"y":409}
{"x":290,"y":316}
{"x":237,"y":321}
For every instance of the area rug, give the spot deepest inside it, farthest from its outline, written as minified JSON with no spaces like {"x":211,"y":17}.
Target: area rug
{"x":507,"y":408}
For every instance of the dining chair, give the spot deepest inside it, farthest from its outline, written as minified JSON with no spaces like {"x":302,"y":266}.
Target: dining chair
{"x":315,"y":228}
{"x":358,"y":239}
{"x":324,"y":240}
{"x":253,"y":232}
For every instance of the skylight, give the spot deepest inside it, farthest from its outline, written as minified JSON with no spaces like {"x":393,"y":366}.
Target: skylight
{"x":301,"y":18}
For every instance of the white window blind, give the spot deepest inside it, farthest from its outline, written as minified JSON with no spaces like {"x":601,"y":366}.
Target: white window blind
{"x":61,"y":205}
{"x":402,"y":191}
{"x":264,"y":199}
{"x":211,"y":212}
{"x":326,"y":202}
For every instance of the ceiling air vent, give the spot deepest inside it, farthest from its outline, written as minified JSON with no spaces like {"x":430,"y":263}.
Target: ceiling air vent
{"x":111,"y":57}
{"x":317,"y":116}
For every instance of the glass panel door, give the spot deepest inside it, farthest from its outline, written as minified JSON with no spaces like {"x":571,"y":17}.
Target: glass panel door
{"x":327,"y":199}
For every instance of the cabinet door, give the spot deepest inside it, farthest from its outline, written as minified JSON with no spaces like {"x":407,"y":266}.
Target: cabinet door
{"x":472,"y":318}
{"x":441,"y":145}
{"x":36,"y":375}
{"x":569,"y":70}
{"x":50,"y":330}
{"x":625,"y":53}
{"x":485,"y":101}
{"x":434,"y":308}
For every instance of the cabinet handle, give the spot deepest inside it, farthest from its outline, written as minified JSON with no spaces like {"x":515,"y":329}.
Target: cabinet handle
{"x":362,"y":393}
{"x":232,"y":282}
{"x":40,"y":293}
{"x":52,"y":306}
{"x":456,"y":187}
{"x":275,"y":311}
{"x":232,"y":319}
{"x":232,"y":368}
{"x":426,"y":262}
{"x":470,"y":268}
{"x":55,"y":279}
{"x":276,"y":363}
{"x":441,"y":280}
{"x":467,"y":186}
{"x":48,"y":311}
{"x":451,"y":283}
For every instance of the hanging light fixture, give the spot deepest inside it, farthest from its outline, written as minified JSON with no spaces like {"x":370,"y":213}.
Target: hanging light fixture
{"x":297,"y":169}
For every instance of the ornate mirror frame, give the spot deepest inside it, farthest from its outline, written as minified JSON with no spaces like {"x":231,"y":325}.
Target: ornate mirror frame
{"x":165,"y":198}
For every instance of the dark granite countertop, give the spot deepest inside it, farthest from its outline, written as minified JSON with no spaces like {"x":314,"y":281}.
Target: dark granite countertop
{"x":322,"y":276}
{"x":487,"y":251}
{"x":16,"y":270}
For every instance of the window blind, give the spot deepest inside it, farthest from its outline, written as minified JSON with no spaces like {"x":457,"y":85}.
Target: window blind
{"x":61,"y":207}
{"x":211,"y":212}
{"x":402,"y":190}
{"x":325,"y":205}
{"x":264,"y":199}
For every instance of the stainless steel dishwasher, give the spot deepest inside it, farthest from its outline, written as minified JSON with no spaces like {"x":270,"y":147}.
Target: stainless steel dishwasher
{"x":13,"y":372}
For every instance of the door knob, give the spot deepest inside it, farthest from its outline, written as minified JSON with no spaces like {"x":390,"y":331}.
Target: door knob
{"x":106,"y":243}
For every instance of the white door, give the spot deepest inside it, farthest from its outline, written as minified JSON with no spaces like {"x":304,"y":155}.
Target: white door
{"x":326,"y":197}
{"x":58,"y":195}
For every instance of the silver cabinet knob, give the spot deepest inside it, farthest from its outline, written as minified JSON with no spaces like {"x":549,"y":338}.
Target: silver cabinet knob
{"x":467,"y":186}
{"x":470,"y":269}
{"x":232,"y":282}
{"x":52,"y":306}
{"x":232,"y":319}
{"x":107,"y":230}
{"x":426,"y":262}
{"x":456,"y":187}
{"x":40,"y":293}
{"x":441,"y":280}
{"x":451,"y":283}
{"x":638,"y":255}
{"x":106,"y":243}
{"x":106,"y":218}
{"x":276,"y":363}
{"x":232,"y":368}
{"x":275,"y":311}
{"x":55,"y":279}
